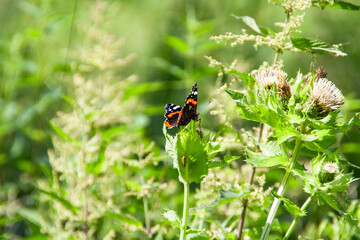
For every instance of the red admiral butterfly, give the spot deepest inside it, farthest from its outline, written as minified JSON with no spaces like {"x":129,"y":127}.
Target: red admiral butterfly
{"x":180,"y":116}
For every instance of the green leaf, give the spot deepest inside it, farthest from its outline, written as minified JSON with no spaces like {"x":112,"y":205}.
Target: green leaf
{"x":191,"y":155}
{"x":336,"y":5}
{"x":340,"y":184}
{"x":225,"y":197}
{"x":248,"y":79}
{"x":315,"y":46}
{"x":290,"y":206}
{"x":47,"y":170}
{"x":30,"y":215}
{"x":61,"y":200}
{"x":332,"y":201}
{"x":172,"y":217}
{"x":170,"y":145}
{"x":250,"y":22}
{"x":199,"y":236}
{"x":133,"y":185}
{"x":95,"y":167}
{"x":61,"y":133}
{"x":224,"y":162}
{"x":123,"y":218}
{"x":109,"y":133}
{"x":138,"y":89}
{"x":259,"y":160}
{"x":177,"y":43}
{"x":271,"y":155}
{"x":235,"y":95}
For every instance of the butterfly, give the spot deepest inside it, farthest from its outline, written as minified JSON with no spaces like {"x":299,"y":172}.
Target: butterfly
{"x":180,"y":116}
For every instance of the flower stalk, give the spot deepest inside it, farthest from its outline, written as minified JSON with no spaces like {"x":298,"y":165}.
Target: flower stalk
{"x":282,"y":188}
{"x":185,"y":215}
{"x":296,"y":219}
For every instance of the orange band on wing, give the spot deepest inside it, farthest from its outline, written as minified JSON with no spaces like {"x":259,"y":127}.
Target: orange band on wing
{"x":168,"y":124}
{"x":191,"y":101}
{"x":172,"y":114}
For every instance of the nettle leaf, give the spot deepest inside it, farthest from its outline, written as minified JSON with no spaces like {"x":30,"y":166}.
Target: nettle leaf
{"x":315,"y":46}
{"x":225,"y":197}
{"x":191,"y":155}
{"x":271,"y":155}
{"x":249,"y":21}
{"x":290,"y":206}
{"x":123,"y":218}
{"x":170,"y":145}
{"x":336,"y":5}
{"x":173,"y":218}
{"x":332,"y":201}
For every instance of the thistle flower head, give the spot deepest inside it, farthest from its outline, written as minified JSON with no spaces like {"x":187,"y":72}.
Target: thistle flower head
{"x":326,"y":95}
{"x":267,"y":78}
{"x":328,"y":172}
{"x":331,"y":167}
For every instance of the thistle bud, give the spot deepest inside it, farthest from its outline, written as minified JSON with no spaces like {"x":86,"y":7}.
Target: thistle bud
{"x":328,"y":172}
{"x":320,"y":73}
{"x":268,"y":78}
{"x":283,"y":90}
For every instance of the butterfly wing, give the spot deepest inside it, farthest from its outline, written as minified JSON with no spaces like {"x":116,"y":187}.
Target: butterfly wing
{"x":172,"y":115}
{"x":189,"y":113}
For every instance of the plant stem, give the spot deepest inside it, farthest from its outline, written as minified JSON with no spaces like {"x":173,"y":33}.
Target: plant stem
{"x":281,"y":190}
{"x":279,"y":48}
{"x":185,"y":215}
{"x":251,"y":180}
{"x":147,"y":217}
{"x":292,"y":226}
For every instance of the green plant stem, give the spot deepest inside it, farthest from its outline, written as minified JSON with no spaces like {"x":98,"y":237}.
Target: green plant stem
{"x":281,"y":190}
{"x":279,"y":48}
{"x":251,"y":180}
{"x":296,"y":219}
{"x":185,"y":215}
{"x":147,"y":217}
{"x":146,"y":206}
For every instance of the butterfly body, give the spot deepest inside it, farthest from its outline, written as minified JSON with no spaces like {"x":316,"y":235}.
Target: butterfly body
{"x":177,"y":116}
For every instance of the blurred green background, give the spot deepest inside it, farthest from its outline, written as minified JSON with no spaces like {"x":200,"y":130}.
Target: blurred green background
{"x":37,"y":37}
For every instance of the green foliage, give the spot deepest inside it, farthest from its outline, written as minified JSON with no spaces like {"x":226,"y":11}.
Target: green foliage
{"x":81,"y":96}
{"x":336,"y":5}
{"x":188,"y":154}
{"x":316,"y":46}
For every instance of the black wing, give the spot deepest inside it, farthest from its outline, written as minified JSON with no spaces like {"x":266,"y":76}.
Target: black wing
{"x":189,"y":113}
{"x":172,"y":115}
